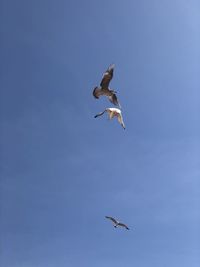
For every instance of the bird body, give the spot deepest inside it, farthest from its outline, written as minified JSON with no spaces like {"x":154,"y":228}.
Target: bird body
{"x":113,"y":112}
{"x":117,"y":223}
{"x":104,"y":87}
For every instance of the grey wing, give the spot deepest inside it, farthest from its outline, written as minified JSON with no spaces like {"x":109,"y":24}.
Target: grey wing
{"x":100,"y":114}
{"x":111,"y":218}
{"x":113,"y":99}
{"x":107,"y":77}
{"x":124,"y":225}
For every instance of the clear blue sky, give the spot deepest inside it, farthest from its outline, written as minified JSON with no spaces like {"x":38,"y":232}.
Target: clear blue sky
{"x":62,"y":170}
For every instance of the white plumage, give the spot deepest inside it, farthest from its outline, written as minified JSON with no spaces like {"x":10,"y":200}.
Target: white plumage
{"x":113,"y":112}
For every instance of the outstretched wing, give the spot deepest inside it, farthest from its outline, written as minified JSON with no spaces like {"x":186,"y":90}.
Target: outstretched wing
{"x":112,"y":219}
{"x":100,"y":114}
{"x":113,"y":99}
{"x":123,"y":225}
{"x":120,"y":120}
{"x":97,"y":92}
{"x":107,"y":77}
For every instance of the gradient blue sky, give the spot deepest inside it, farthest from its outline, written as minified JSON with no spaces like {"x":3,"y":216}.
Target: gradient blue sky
{"x":62,"y":170}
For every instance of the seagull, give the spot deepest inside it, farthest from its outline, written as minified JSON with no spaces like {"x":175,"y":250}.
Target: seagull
{"x":117,"y":223}
{"x":113,"y":112}
{"x":104,"y":89}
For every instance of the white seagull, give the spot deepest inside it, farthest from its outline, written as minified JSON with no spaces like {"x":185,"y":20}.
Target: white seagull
{"x":104,"y":87}
{"x":117,"y":223}
{"x":113,"y":112}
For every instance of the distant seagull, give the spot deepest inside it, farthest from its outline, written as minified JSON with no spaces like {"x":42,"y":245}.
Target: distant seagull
{"x":113,"y":112}
{"x":104,"y":87}
{"x":117,"y":223}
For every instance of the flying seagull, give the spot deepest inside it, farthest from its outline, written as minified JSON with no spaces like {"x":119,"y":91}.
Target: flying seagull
{"x":113,"y":112}
{"x":104,"y":87}
{"x":117,"y":223}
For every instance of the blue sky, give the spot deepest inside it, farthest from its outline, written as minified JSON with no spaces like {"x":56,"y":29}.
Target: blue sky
{"x":62,"y":170}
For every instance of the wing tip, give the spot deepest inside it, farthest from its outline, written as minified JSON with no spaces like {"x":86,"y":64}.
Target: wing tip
{"x":112,"y":66}
{"x":94,"y":92}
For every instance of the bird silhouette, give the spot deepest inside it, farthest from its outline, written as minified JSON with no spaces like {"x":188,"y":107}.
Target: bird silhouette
{"x":113,"y":112}
{"x":104,"y":89}
{"x":117,"y":223}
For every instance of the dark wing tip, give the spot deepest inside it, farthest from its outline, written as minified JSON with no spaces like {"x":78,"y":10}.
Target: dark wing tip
{"x":113,"y":99}
{"x":94,"y":92}
{"x":111,"y":218}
